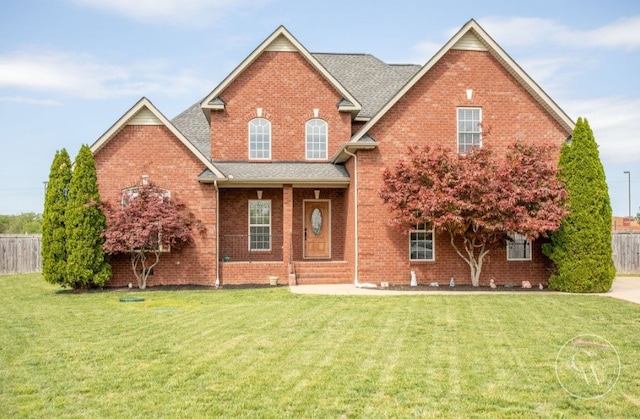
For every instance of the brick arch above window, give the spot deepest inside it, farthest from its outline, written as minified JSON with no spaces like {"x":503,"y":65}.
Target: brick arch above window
{"x":253,"y":114}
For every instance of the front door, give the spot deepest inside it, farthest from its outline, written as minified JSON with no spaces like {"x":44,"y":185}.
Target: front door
{"x":317,"y":229}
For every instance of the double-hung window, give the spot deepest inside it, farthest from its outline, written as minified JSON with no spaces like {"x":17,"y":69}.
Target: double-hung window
{"x":316,"y":139}
{"x":259,"y":139}
{"x":259,"y":225}
{"x":469,"y":129}
{"x":421,"y":243}
{"x":518,"y":248}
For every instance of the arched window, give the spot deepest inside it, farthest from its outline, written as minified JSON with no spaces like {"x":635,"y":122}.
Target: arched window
{"x":259,"y":139}
{"x":316,"y":142}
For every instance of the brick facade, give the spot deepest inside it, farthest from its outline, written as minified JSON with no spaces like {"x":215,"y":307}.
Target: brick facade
{"x":154,"y":151}
{"x":427,"y":115}
{"x":274,"y":83}
{"x":285,"y":88}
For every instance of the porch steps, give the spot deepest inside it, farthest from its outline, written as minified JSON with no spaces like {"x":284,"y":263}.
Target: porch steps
{"x":333,"y":272}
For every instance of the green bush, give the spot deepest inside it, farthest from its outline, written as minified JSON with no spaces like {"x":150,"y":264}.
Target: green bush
{"x":85,"y":223}
{"x":54,"y":238}
{"x":581,"y":248}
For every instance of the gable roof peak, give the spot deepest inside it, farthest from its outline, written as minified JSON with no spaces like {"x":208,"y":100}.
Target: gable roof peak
{"x":145,"y":113}
{"x":280,"y":40}
{"x":472,"y":36}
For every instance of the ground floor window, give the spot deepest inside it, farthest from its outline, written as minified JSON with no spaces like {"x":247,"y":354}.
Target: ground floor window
{"x":518,"y":248}
{"x":421,"y":243}
{"x":260,"y":224}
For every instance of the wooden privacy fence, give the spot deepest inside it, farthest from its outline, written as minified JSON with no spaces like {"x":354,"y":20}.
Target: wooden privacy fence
{"x":626,"y":252}
{"x":20,"y":254}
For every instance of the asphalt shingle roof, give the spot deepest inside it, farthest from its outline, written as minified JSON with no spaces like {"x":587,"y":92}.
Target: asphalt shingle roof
{"x":194,"y":125}
{"x":371,"y":81}
{"x":292,"y":172}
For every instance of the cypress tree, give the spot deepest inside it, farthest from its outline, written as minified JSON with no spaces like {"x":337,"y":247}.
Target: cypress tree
{"x":85,"y":223}
{"x":581,"y":248}
{"x":54,"y":254}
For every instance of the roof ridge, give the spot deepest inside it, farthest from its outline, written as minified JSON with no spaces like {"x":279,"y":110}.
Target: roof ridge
{"x":342,"y":53}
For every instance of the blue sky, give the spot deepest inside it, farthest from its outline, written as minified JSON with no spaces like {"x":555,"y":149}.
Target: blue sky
{"x":70,"y":68}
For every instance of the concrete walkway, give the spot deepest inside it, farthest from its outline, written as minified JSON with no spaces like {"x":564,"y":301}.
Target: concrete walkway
{"x":624,"y":288}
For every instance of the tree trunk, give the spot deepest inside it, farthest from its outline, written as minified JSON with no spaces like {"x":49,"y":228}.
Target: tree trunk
{"x":140,"y":269}
{"x":473,"y":260}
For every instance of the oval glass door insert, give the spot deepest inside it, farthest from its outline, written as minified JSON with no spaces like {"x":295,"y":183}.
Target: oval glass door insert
{"x":316,"y":221}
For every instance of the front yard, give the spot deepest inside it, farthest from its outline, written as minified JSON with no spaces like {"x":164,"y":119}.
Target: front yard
{"x":269,"y":353}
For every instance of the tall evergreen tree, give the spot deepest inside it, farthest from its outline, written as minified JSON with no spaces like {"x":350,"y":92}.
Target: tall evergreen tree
{"x":85,"y":223}
{"x":54,"y":253}
{"x":581,"y":248}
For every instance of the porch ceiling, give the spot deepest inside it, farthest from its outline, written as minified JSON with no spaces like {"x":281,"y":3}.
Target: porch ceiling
{"x":276,"y":174}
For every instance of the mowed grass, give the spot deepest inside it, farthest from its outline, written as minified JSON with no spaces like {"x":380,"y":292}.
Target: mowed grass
{"x":270,"y":353}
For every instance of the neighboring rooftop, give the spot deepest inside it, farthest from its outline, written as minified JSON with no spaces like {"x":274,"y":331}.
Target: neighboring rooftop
{"x":622,"y":224}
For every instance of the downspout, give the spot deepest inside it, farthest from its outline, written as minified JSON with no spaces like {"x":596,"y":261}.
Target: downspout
{"x":355,"y":200}
{"x":215,"y":185}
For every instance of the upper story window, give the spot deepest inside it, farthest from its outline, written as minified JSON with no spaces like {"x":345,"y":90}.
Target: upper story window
{"x":316,"y":139}
{"x":469,"y":129}
{"x":259,"y":139}
{"x":421,"y":243}
{"x":518,"y":248}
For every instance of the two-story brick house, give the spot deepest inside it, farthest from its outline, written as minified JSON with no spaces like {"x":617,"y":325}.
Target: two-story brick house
{"x":283,"y":160}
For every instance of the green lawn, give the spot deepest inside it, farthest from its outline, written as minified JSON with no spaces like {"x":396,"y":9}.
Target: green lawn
{"x":269,"y":353}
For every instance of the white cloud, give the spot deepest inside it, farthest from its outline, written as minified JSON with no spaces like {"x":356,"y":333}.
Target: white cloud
{"x":423,"y":51}
{"x":525,"y":31}
{"x":85,"y":76}
{"x":623,"y":33}
{"x":197,"y":13}
{"x":611,"y":119}
{"x":547,"y":71}
{"x":29,"y":101}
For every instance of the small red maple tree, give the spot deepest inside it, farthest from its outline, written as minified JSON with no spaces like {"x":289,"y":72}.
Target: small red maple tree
{"x":146,"y":222}
{"x":477,"y":197}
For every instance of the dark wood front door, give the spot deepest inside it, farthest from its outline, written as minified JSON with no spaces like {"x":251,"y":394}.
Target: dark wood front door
{"x":317,"y":229}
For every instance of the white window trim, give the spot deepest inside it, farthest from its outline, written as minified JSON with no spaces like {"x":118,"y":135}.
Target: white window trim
{"x":258,"y":225}
{"x":433,"y":243}
{"x":249,"y":139}
{"x":132,"y":193}
{"x":458,"y":126}
{"x":517,"y":239}
{"x":306,"y":140}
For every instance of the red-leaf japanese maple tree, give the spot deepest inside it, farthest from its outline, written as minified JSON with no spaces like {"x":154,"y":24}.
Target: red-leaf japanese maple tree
{"x":144,"y":224}
{"x":477,"y":198}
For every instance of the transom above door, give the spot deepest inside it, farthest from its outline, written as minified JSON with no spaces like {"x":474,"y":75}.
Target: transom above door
{"x":317,"y":229}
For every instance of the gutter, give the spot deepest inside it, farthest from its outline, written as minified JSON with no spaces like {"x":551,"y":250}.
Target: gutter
{"x":215,"y":185}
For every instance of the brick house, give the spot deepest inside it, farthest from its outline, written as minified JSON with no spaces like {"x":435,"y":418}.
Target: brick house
{"x":283,"y":160}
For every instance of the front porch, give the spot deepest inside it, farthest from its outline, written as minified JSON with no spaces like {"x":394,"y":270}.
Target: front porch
{"x":297,"y":234}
